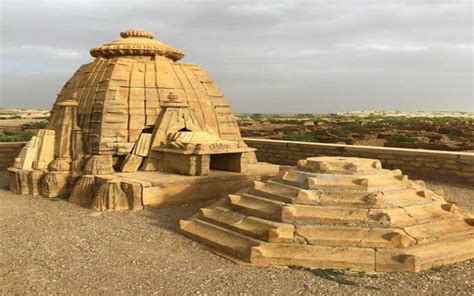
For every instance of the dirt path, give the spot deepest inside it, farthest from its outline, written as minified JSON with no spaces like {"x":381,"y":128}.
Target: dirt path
{"x":50,"y":246}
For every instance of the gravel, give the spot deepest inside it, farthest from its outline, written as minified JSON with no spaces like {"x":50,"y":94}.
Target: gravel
{"x":49,"y":246}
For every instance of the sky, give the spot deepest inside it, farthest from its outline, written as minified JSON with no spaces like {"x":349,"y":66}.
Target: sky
{"x":272,"y":56}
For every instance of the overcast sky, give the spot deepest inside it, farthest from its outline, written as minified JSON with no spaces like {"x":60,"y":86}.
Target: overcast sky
{"x":267,"y":56}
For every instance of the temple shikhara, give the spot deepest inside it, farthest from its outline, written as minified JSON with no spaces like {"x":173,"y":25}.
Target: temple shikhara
{"x":135,"y":128}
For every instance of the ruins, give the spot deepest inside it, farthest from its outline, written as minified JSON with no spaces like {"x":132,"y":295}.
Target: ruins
{"x":135,"y":127}
{"x":444,"y":133}
{"x":337,"y":212}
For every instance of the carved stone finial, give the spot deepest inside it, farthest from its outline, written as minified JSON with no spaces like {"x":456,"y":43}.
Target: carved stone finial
{"x":136,"y":43}
{"x":137,"y":33}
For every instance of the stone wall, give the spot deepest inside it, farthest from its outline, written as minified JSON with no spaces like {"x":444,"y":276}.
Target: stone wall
{"x":426,"y":163}
{"x":8,"y":152}
{"x":420,"y":163}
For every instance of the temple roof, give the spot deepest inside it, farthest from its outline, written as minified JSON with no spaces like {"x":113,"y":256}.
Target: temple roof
{"x":137,"y":43}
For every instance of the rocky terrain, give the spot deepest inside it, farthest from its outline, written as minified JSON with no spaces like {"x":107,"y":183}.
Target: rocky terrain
{"x":443,"y":131}
{"x":18,"y":125}
{"x":6,"y":113}
{"x":427,"y":114}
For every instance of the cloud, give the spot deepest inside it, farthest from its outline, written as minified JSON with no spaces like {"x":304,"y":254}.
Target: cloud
{"x":23,"y":51}
{"x":267,"y":56}
{"x":408,"y":47}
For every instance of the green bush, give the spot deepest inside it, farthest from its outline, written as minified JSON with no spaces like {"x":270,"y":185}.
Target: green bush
{"x":403,"y":120}
{"x":398,"y":138}
{"x":11,"y":136}
{"x":341,"y":133}
{"x":34,"y":125}
{"x":454,"y":135}
{"x":344,"y":130}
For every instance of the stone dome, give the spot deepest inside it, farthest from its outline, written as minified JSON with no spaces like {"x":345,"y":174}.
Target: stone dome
{"x":122,"y":92}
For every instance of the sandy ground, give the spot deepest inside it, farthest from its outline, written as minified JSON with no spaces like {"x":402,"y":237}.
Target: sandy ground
{"x":49,"y":246}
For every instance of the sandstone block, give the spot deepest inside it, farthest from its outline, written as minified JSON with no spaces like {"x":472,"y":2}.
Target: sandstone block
{"x":131,"y":163}
{"x":142,"y":147}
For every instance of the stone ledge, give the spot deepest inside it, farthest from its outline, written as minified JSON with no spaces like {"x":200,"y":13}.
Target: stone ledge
{"x":427,"y":162}
{"x":358,"y":148}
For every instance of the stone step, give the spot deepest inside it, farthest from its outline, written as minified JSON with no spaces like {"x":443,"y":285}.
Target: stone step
{"x":293,"y":178}
{"x":317,"y":214}
{"x":352,"y":195}
{"x":412,"y":215}
{"x":274,"y":191}
{"x":220,"y":238}
{"x":440,"y":229}
{"x":359,"y":182}
{"x":365,"y":199}
{"x":425,"y":256}
{"x":406,"y":197}
{"x":432,"y":211}
{"x":355,"y":199}
{"x":385,"y":179}
{"x":256,"y":206}
{"x":360,"y":259}
{"x":248,"y":225}
{"x":340,"y":165}
{"x":340,"y":236}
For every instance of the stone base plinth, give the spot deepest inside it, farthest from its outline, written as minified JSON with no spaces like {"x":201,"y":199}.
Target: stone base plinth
{"x":336,"y":212}
{"x":141,"y":189}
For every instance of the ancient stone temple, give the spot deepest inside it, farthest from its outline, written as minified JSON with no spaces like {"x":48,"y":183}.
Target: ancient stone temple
{"x":335,"y":212}
{"x":136,"y":127}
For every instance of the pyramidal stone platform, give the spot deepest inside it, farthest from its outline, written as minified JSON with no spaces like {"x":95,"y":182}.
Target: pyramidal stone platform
{"x":333,"y":212}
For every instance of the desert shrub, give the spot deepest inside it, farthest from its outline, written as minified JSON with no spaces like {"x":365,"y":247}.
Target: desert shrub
{"x":344,"y":130}
{"x":454,"y":135}
{"x":398,"y":138}
{"x":34,"y":125}
{"x":306,"y":115}
{"x":298,"y":137}
{"x":11,"y":136}
{"x":11,"y":117}
{"x":342,"y":133}
{"x":446,"y":120}
{"x":403,"y":120}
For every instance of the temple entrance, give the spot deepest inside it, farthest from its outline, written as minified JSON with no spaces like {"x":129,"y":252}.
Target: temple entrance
{"x":230,"y":162}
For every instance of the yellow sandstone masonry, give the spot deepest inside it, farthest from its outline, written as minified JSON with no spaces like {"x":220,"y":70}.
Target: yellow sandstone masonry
{"x":136,"y":109}
{"x":337,"y":212}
